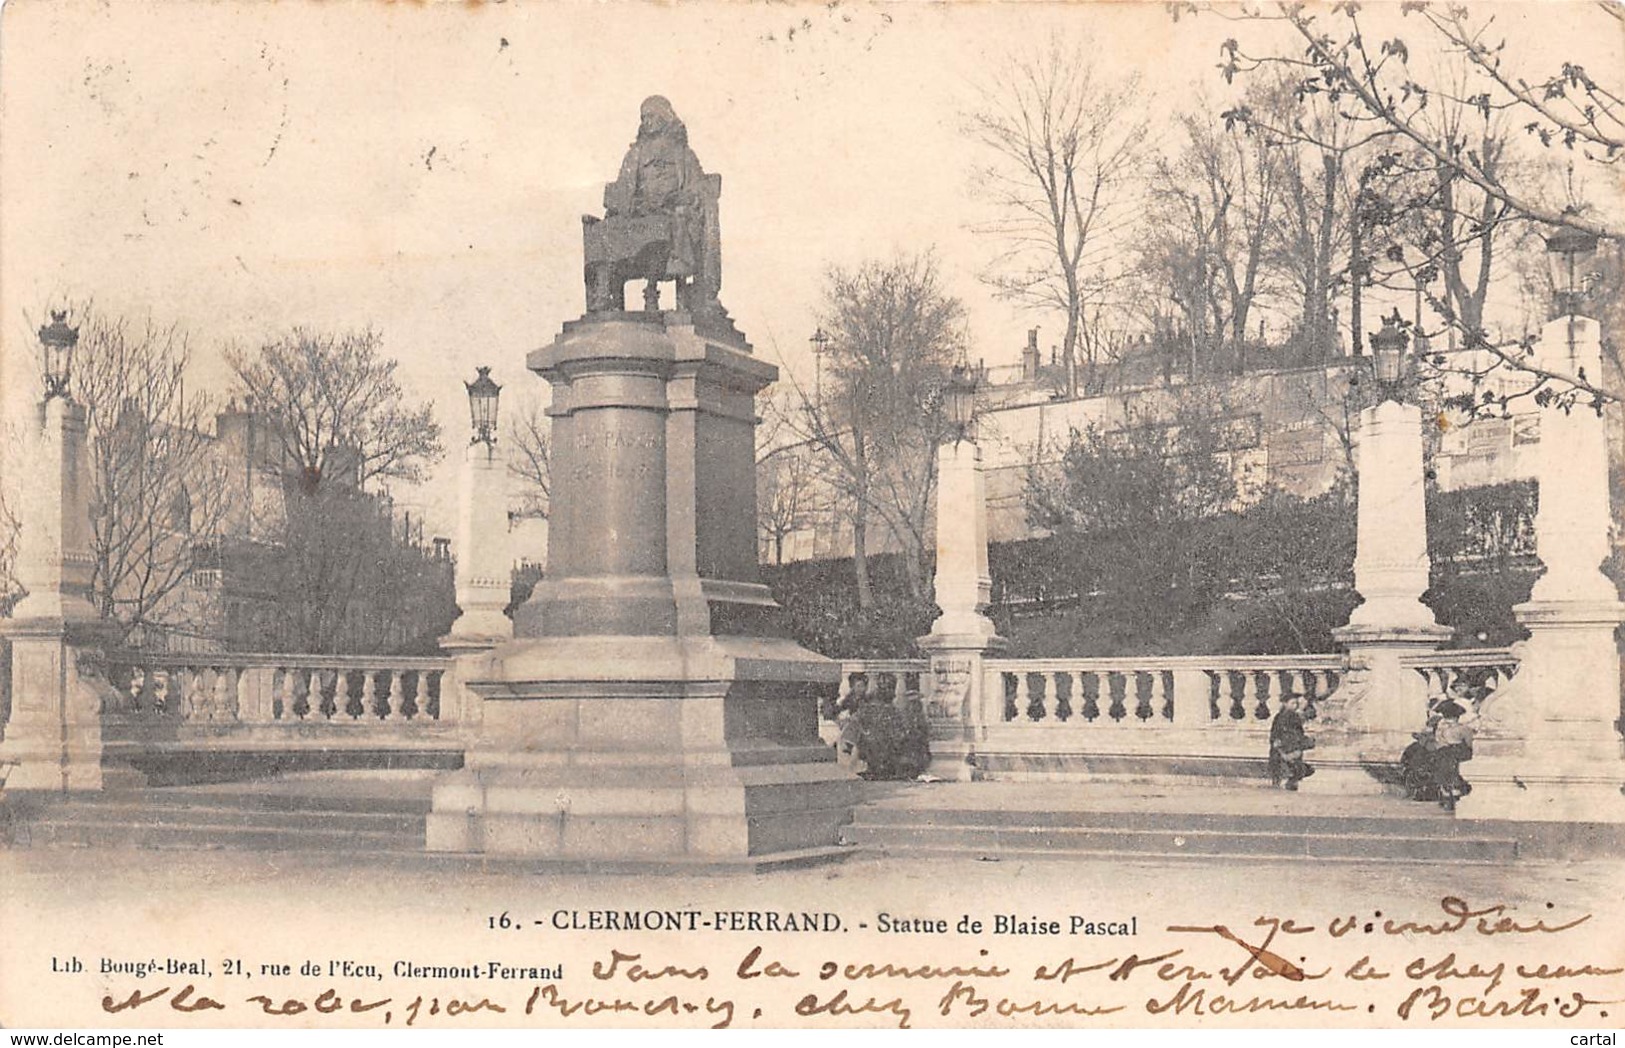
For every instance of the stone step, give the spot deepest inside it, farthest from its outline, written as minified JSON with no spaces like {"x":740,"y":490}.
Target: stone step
{"x":1130,"y":858}
{"x":1402,"y":842}
{"x":150,"y":836}
{"x":1424,"y":819}
{"x":175,"y":816}
{"x":333,"y":799}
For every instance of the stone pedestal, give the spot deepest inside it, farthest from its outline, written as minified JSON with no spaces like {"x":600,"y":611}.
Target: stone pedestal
{"x":1368,"y":721}
{"x":54,"y":733}
{"x":1549,"y":745}
{"x":963,"y":634}
{"x":484,"y":558}
{"x":647,"y":709}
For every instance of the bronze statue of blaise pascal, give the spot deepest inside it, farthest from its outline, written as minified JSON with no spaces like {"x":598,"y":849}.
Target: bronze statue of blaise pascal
{"x":660,"y":222}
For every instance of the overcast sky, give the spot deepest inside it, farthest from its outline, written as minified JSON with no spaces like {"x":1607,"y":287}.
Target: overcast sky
{"x":421,"y":168}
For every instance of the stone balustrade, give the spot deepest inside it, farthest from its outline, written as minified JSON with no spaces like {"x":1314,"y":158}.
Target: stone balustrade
{"x":1187,"y":691}
{"x":262,"y":689}
{"x":889,"y":679}
{"x":1483,"y":670}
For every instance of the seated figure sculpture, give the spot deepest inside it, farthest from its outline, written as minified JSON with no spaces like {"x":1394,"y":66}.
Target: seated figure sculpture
{"x":660,"y":222}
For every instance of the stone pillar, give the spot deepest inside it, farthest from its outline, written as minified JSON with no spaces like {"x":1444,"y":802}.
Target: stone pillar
{"x":484,"y":556}
{"x":963,"y":634}
{"x":1549,"y":745}
{"x":54,"y":734}
{"x":1370,"y":717}
{"x":649,"y":707}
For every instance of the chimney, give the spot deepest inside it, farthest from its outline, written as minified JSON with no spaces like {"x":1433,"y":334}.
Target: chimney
{"x":1030,"y":359}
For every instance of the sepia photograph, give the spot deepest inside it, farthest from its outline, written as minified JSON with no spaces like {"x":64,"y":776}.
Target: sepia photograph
{"x":535,"y":514}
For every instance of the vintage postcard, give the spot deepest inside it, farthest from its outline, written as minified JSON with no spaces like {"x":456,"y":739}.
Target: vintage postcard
{"x":817,"y":515}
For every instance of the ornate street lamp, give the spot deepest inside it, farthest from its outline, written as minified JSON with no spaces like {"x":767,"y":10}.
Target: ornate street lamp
{"x":820,"y":345}
{"x":1388,"y":353}
{"x":1568,"y":250}
{"x":57,"y":340}
{"x":961,"y":400}
{"x":482,"y":407}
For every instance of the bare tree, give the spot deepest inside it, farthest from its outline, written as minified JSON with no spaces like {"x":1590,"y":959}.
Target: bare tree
{"x":338,"y":409}
{"x":10,"y":589}
{"x":1212,"y":209}
{"x":1368,"y":65}
{"x":1063,"y":143}
{"x":788,"y":483}
{"x":342,"y":577}
{"x":894,"y":333}
{"x":530,"y":459}
{"x":159,"y":491}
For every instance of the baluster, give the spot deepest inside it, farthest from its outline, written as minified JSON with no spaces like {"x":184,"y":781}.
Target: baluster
{"x":1235,"y":692}
{"x":341,"y":695}
{"x":397,"y":696}
{"x":331,"y":709}
{"x":1261,"y":694}
{"x":303,"y":681}
{"x":1044,"y":698}
{"x":1024,"y":697}
{"x":414,"y":694}
{"x":1064,"y":699}
{"x":1116,"y":688}
{"x":175,"y":692}
{"x":1089,"y":688}
{"x":313,"y":695}
{"x":1169,"y":686}
{"x":146,"y":700}
{"x":1007,"y":696}
{"x":1144,"y":684}
{"x":1157,"y":702}
{"x":225,"y":693}
{"x":369,"y":695}
{"x":430,"y":683}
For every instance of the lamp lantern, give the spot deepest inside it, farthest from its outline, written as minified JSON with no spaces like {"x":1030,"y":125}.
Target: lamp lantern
{"x":57,"y":341}
{"x":482,"y":407}
{"x":1568,"y":250}
{"x":1388,"y":353}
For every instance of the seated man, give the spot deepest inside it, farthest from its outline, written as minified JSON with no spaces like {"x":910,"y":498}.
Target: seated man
{"x":659,"y":220}
{"x":1288,"y":741}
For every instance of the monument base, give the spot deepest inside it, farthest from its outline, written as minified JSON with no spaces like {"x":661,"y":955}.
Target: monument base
{"x":1504,"y":789}
{"x":53,"y":740}
{"x":647,"y":749}
{"x":955,"y":694}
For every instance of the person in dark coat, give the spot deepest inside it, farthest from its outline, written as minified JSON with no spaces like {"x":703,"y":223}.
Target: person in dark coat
{"x":1288,"y":741}
{"x":1416,"y":763}
{"x":1452,"y":744}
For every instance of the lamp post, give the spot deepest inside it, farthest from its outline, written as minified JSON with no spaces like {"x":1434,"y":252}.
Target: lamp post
{"x":1551,"y":746}
{"x":482,"y":407}
{"x":963,"y":634}
{"x":53,"y":737}
{"x":57,"y":341}
{"x":820,"y":345}
{"x":484,"y":558}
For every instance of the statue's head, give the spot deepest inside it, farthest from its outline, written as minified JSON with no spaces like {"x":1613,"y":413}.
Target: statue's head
{"x":657,"y":117}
